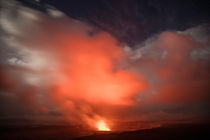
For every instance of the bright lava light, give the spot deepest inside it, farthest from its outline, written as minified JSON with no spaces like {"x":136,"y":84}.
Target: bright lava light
{"x":102,"y":126}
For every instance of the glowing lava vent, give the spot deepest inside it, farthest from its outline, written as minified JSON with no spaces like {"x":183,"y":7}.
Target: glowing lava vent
{"x":102,"y":126}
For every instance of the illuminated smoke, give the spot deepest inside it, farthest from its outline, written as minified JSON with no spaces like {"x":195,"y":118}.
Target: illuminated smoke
{"x":55,"y":66}
{"x":77,"y":69}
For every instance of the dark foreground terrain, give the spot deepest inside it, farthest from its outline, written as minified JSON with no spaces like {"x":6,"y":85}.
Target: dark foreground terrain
{"x":178,"y":132}
{"x":37,"y":132}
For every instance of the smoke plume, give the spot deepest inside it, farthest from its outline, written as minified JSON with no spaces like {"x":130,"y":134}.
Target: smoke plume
{"x":52,"y":65}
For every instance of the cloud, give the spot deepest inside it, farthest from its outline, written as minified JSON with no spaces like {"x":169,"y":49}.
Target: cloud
{"x":178,"y":74}
{"x":52,"y":64}
{"x":63,"y":65}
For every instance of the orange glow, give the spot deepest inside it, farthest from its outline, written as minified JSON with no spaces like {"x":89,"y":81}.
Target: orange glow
{"x":102,"y":126}
{"x":90,"y":76}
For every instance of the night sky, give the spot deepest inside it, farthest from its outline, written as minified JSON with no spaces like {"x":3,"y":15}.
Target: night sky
{"x":133,"y":21}
{"x":99,"y":63}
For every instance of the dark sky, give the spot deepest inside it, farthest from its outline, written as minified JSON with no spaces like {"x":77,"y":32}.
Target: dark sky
{"x":132,"y":21}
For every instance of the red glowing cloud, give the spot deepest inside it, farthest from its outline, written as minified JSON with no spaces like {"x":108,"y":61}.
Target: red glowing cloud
{"x":92,"y":72}
{"x":92,"y":75}
{"x":60,"y":66}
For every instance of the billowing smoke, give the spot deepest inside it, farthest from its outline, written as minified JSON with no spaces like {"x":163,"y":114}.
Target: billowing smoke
{"x":65,"y":65}
{"x":52,"y":65}
{"x":176,"y":65}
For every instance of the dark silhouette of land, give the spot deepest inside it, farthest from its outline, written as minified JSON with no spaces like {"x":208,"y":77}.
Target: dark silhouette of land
{"x":178,"y":132}
{"x":169,"y":132}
